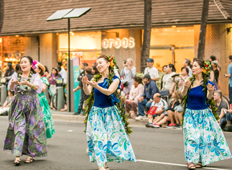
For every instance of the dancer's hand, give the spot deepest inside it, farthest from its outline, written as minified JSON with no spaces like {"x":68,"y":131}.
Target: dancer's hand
{"x":92,"y":83}
{"x":85,"y":80}
{"x":187,"y":84}
{"x":210,"y":87}
{"x":14,"y":82}
{"x":24,"y":82}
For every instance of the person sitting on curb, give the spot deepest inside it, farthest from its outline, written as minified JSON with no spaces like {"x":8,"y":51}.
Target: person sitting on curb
{"x":160,"y":104}
{"x":228,"y":126}
{"x":150,"y":88}
{"x":6,"y":106}
{"x":221,"y":105}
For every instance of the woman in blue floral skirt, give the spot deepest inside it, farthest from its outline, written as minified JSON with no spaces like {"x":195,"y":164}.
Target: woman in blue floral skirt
{"x":106,"y":127}
{"x":204,"y":142}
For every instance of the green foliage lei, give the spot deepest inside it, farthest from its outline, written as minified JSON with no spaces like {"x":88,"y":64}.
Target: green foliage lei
{"x":24,"y":90}
{"x":119,"y":105}
{"x":210,"y":102}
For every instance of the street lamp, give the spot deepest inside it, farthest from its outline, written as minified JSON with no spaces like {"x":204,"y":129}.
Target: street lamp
{"x":67,"y":14}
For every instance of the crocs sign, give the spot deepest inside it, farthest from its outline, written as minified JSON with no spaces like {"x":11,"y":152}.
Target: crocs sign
{"x":118,"y":43}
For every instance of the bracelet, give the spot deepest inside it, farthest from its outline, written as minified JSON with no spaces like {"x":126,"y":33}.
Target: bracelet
{"x":33,"y":87}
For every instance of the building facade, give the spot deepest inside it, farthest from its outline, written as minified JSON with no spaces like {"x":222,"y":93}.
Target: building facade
{"x":114,"y":28}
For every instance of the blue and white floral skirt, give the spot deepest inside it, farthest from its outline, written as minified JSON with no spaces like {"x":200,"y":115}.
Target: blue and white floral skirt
{"x":203,"y":138}
{"x":106,"y":137}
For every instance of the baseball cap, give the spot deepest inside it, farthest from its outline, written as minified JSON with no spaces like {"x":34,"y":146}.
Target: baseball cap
{"x":146,"y":76}
{"x":150,"y":60}
{"x":215,"y":62}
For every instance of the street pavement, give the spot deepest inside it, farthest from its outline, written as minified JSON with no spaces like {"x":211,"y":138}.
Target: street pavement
{"x":156,"y":149}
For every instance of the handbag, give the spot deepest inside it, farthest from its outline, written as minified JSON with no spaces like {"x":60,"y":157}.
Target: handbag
{"x":164,"y":93}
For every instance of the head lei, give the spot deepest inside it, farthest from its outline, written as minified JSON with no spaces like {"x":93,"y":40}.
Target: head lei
{"x":207,"y":68}
{"x":121,"y":108}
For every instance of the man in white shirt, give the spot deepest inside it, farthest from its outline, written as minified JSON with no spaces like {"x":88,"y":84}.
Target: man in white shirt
{"x":160,"y":104}
{"x":152,"y":71}
{"x":62,"y":72}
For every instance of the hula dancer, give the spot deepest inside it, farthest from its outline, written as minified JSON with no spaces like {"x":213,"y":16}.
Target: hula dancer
{"x":48,"y":121}
{"x":204,"y":142}
{"x":26,"y":132}
{"x":106,"y":124}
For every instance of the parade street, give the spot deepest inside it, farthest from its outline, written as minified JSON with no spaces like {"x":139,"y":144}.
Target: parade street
{"x":156,"y":149}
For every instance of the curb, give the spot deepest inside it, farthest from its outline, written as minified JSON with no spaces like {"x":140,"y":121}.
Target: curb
{"x":79,"y":118}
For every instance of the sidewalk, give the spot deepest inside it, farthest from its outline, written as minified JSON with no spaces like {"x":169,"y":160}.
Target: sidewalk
{"x":68,"y":116}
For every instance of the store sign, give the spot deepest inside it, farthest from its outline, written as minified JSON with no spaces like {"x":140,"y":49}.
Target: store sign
{"x":13,"y":44}
{"x":118,"y":43}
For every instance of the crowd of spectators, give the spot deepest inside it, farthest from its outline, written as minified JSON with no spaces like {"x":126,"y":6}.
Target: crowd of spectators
{"x":162,"y":89}
{"x":158,"y":88}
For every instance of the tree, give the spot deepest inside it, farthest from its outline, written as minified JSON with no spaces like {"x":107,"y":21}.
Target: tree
{"x":147,"y":33}
{"x":204,"y":18}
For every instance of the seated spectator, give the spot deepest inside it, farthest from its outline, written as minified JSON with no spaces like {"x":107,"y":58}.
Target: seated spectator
{"x":228,"y":120}
{"x":221,"y":105}
{"x":160,"y":104}
{"x":171,"y":108}
{"x":135,"y":93}
{"x":6,"y":106}
{"x":150,"y":89}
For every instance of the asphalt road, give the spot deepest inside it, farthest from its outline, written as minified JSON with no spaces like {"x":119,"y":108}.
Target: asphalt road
{"x":156,"y":149}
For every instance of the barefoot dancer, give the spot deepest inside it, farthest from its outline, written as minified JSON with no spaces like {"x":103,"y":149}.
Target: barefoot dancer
{"x":106,"y":135}
{"x":26,"y":132}
{"x":204,"y":142}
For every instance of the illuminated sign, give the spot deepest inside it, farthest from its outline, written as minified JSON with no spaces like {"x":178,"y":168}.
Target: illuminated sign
{"x":118,"y":43}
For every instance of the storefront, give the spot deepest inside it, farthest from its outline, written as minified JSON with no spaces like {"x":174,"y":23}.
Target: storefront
{"x":11,"y":50}
{"x":84,"y":45}
{"x":171,"y":45}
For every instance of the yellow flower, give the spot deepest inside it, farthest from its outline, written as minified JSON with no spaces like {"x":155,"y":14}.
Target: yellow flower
{"x":204,"y":71}
{"x":111,"y":64}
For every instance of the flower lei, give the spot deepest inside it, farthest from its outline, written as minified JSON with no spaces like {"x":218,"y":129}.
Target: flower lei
{"x":210,"y":102}
{"x":119,"y":105}
{"x":24,"y":90}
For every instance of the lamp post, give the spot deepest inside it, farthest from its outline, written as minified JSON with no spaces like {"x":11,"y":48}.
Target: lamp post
{"x":67,"y":14}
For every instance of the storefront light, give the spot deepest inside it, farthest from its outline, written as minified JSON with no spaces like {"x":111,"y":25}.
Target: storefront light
{"x":17,"y":36}
{"x":0,"y":40}
{"x":173,"y":26}
{"x":165,"y":29}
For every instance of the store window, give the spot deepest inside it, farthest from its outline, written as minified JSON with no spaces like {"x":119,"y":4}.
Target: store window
{"x":12,"y":48}
{"x":84,"y":45}
{"x":172,"y":45}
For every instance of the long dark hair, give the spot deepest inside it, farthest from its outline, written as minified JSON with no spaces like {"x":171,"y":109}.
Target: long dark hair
{"x":46,"y":69}
{"x":95,"y":68}
{"x":17,"y":68}
{"x":30,"y":61}
{"x":173,"y":67}
{"x":57,"y":72}
{"x":41,"y":73}
{"x":10,"y":69}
